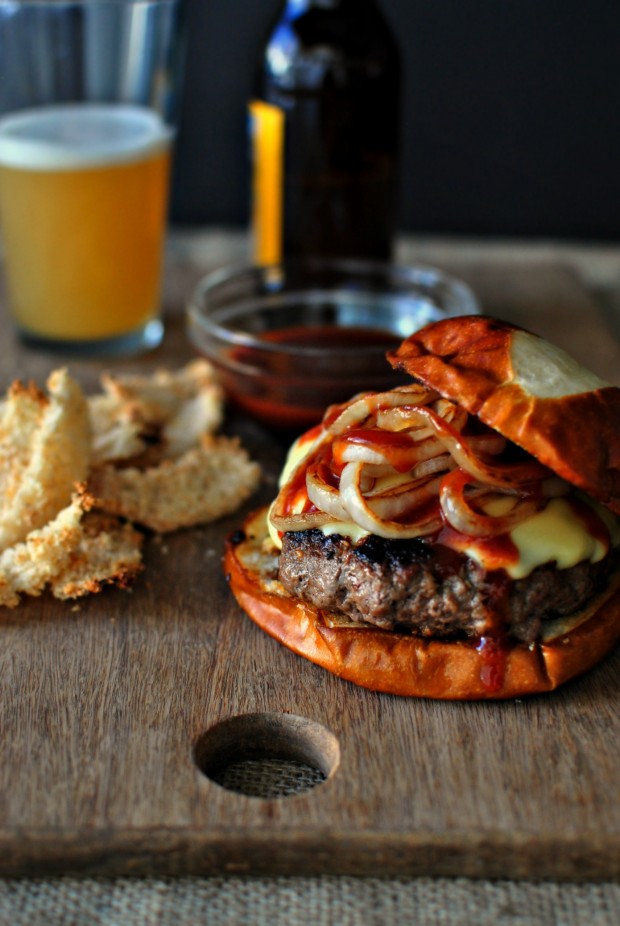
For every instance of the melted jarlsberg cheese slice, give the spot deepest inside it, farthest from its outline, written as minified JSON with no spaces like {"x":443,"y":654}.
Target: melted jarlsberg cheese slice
{"x":554,"y":535}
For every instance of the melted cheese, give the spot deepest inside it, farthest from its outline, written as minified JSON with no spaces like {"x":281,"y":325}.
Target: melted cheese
{"x":298,"y":450}
{"x":554,"y":535}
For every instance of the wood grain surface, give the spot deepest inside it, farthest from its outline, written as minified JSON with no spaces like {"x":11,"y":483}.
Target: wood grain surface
{"x":104,"y":705}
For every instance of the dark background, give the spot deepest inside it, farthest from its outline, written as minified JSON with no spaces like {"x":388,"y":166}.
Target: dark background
{"x":510,"y":119}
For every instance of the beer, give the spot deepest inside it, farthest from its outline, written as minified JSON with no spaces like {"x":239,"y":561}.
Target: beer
{"x":83,"y":199}
{"x":324,"y":126}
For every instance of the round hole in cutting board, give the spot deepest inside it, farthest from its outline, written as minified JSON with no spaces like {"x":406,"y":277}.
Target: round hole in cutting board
{"x":269,"y":755}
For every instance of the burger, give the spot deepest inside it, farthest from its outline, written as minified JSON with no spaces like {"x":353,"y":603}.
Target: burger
{"x":456,"y":537}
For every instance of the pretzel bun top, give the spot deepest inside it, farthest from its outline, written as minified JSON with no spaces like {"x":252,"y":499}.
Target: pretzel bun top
{"x":530,"y":391}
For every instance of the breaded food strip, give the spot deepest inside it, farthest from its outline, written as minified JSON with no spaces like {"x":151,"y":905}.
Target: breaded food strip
{"x":108,"y":552}
{"x":193,"y":419}
{"x":44,"y":451}
{"x":27,"y":567}
{"x":116,"y":434}
{"x":163,"y":415}
{"x":75,"y":553}
{"x":206,"y":483}
{"x":20,"y":416}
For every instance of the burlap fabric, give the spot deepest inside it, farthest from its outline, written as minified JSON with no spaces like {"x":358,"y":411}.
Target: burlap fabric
{"x":306,"y":902}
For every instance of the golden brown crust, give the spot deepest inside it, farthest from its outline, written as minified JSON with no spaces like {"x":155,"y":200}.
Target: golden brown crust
{"x":406,"y":665}
{"x":549,"y":406}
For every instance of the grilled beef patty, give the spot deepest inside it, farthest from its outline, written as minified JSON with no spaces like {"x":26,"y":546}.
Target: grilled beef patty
{"x":411,"y":585}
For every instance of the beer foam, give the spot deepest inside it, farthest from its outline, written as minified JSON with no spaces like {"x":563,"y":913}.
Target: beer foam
{"x":63,"y":137}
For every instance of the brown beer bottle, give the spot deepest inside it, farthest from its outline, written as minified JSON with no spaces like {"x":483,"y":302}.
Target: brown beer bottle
{"x":324,"y":132}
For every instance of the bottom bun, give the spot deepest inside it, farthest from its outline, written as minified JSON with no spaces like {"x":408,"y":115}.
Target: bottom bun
{"x":403,"y":664}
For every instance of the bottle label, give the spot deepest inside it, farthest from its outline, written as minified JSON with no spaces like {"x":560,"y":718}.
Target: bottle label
{"x":267,"y":140}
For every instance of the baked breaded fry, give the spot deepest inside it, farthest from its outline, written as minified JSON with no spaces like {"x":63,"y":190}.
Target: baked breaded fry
{"x":27,"y":567}
{"x":204,"y":484}
{"x":161,"y":415}
{"x":44,"y":451}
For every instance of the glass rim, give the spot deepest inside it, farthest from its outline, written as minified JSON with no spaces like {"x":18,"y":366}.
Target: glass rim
{"x":203,"y":325}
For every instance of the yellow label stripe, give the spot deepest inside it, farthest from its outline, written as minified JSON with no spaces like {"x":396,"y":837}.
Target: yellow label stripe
{"x":267,"y":181}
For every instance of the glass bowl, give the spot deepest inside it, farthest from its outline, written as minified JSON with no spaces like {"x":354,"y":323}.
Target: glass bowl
{"x":288,"y":340}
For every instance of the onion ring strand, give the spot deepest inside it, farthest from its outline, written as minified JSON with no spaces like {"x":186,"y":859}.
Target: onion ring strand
{"x":402,"y":463}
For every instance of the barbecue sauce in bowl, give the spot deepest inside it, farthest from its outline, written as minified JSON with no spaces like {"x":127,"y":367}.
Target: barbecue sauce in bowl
{"x":289,"y":376}
{"x":290,"y":339}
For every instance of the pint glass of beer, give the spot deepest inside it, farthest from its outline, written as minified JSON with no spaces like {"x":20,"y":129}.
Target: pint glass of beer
{"x":86,"y":128}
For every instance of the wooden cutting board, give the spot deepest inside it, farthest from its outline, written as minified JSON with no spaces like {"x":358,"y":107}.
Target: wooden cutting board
{"x":108,"y":707}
